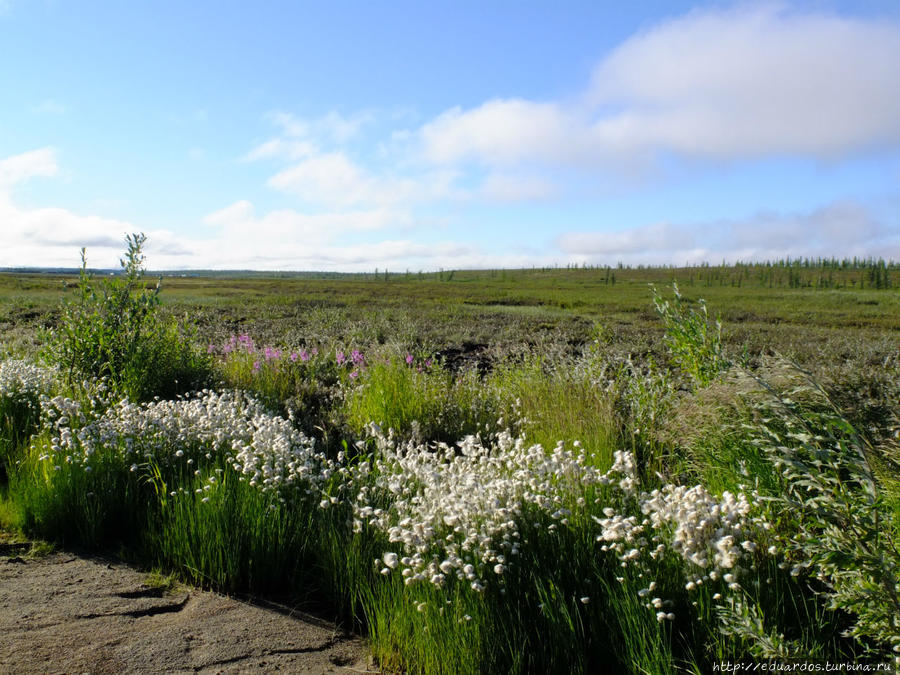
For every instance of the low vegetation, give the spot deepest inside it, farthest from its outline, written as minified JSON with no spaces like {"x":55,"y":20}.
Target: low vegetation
{"x":648,"y":502}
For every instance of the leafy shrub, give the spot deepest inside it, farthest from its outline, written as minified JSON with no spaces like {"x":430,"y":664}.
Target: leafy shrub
{"x":696,"y":345}
{"x":112,"y":330}
{"x":845,"y":535}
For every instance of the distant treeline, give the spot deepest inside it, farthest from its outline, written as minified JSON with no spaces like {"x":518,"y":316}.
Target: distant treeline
{"x":822,"y":273}
{"x":786,"y":273}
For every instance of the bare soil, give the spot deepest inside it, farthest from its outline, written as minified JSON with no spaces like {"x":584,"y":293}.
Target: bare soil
{"x":67,"y":613}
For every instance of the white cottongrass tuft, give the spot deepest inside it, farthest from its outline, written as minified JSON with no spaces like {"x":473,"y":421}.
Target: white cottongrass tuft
{"x":457,"y":511}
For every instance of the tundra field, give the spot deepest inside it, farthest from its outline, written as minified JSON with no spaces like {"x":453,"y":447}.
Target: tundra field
{"x":560,"y":470}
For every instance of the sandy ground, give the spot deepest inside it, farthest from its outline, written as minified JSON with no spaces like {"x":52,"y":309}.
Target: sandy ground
{"x":65,"y":613}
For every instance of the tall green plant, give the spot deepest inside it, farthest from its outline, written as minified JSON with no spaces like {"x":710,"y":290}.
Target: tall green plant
{"x":113,"y":330}
{"x":695,"y":342}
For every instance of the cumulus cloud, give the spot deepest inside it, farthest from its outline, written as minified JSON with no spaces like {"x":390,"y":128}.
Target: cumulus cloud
{"x":840,"y":229}
{"x":358,"y":239}
{"x":289,"y":239}
{"x":503,"y":132}
{"x":333,"y":180}
{"x":27,"y":165}
{"x":288,"y":227}
{"x":51,"y":236}
{"x":754,"y":81}
{"x":715,"y":85}
{"x":321,"y":171}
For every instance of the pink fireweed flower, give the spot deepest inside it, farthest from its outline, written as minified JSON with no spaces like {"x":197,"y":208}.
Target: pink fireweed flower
{"x":246,"y":342}
{"x":354,"y":374}
{"x":256,"y":366}
{"x":315,"y":351}
{"x":340,"y":358}
{"x":304,"y":355}
{"x":211,"y":349}
{"x":357,"y":357}
{"x":294,"y":356}
{"x":428,"y":363}
{"x":409,"y":359}
{"x":272,"y":354}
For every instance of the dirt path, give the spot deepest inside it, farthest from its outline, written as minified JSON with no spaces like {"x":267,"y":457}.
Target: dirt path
{"x":72,"y":614}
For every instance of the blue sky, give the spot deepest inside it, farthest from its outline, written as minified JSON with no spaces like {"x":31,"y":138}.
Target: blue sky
{"x":409,"y":135}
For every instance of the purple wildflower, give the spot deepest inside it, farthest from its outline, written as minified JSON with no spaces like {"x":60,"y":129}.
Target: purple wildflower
{"x":294,"y":356}
{"x":354,"y":374}
{"x":304,"y":355}
{"x":246,"y":342}
{"x":256,"y":366}
{"x":340,"y":358}
{"x":357,"y":357}
{"x":409,"y":359}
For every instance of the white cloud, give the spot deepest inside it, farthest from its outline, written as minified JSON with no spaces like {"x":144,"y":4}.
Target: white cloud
{"x":278,"y":239}
{"x":284,"y":227}
{"x":27,"y":165}
{"x":288,"y":239}
{"x":281,"y":147}
{"x":502,"y":132}
{"x":743,"y":83}
{"x":332,"y":127}
{"x":502,"y":187}
{"x":840,"y":229}
{"x":641,"y":240}
{"x":52,"y":237}
{"x":754,"y":81}
{"x":334,"y":180}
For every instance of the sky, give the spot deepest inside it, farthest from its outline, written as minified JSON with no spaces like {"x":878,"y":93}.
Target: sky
{"x":354,"y":136}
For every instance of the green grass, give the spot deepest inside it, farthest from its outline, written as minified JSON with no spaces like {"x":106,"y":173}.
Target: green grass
{"x":98,"y":505}
{"x":19,"y":416}
{"x":560,"y":402}
{"x":428,"y":402}
{"x":232,"y":537}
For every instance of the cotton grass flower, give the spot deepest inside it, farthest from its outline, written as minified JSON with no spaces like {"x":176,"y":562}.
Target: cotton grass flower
{"x":263,"y":449}
{"x":459,"y":510}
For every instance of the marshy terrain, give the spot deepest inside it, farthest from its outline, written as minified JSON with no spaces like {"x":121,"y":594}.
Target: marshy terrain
{"x":552,"y":470}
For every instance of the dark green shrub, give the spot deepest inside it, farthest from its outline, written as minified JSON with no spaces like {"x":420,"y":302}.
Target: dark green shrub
{"x":112,"y":330}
